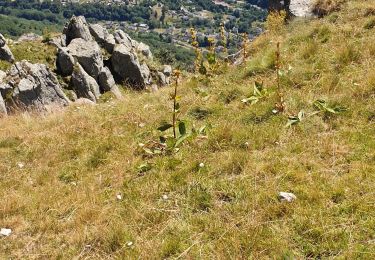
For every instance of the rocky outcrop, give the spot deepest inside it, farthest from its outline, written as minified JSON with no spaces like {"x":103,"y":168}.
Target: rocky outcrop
{"x":64,"y":62}
{"x":5,"y":52}
{"x":103,"y":37}
{"x":31,"y":87}
{"x":127,"y":67}
{"x":84,"y":85}
{"x":83,"y":46}
{"x":77,"y":28}
{"x":301,"y":8}
{"x":88,"y":55}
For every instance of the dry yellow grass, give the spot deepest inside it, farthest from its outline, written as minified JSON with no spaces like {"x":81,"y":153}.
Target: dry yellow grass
{"x":63,"y":203}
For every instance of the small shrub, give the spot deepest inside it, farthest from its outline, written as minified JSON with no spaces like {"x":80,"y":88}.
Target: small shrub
{"x":275,"y":21}
{"x":200,"y":113}
{"x":347,"y":55}
{"x":324,"y":7}
{"x":10,"y":142}
{"x":99,"y":156}
{"x":231,"y":95}
{"x":370,"y":24}
{"x":200,"y":198}
{"x":309,"y":50}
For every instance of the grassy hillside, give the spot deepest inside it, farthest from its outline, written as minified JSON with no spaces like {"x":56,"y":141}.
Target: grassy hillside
{"x":61,"y":175}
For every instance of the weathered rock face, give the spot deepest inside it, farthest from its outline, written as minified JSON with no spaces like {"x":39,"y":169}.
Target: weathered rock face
{"x":84,"y":85}
{"x":3,"y":109}
{"x":123,"y":38}
{"x":77,"y":28}
{"x":59,"y":41}
{"x":106,"y":81}
{"x":145,"y":50}
{"x":162,"y":78}
{"x":123,"y":57}
{"x":167,"y":70}
{"x":64,"y":62}
{"x":103,"y":37}
{"x":301,"y":8}
{"x":32,"y":87}
{"x":126,"y":65}
{"x":2,"y":76}
{"x":88,"y":54}
{"x":5,"y":52}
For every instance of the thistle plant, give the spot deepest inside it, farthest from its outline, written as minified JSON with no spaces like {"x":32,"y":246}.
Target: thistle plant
{"x":223,"y":38}
{"x":172,"y":142}
{"x":245,"y":45}
{"x":176,"y":106}
{"x":198,"y":53}
{"x":280,"y":105}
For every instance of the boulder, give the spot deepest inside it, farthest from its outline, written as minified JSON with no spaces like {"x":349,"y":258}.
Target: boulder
{"x":145,"y":50}
{"x":84,"y":101}
{"x":107,"y":83}
{"x":88,"y":54}
{"x":103,"y":37}
{"x":146,"y":74}
{"x":30,"y":37}
{"x":123,"y":38}
{"x":126,"y":65}
{"x":5,"y":52}
{"x":58,"y":41}
{"x":3,"y":41}
{"x":32,"y":87}
{"x":3,"y":109}
{"x":84,"y":85}
{"x":77,"y":27}
{"x":2,"y":76}
{"x":162,"y":79}
{"x":65,"y":62}
{"x":167,"y":70}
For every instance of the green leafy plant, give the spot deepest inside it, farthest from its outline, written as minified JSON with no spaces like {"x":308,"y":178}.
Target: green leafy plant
{"x":294,"y":120}
{"x":259,"y":93}
{"x":322,"y":106}
{"x":179,"y":127}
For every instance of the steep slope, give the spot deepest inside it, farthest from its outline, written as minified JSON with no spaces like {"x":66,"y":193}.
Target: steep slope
{"x":78,"y":183}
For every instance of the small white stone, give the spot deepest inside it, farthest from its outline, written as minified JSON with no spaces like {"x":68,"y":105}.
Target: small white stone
{"x":119,"y":197}
{"x":286,"y":196}
{"x":165,"y":197}
{"x":201,"y":165}
{"x":5,"y":232}
{"x":20,"y":165}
